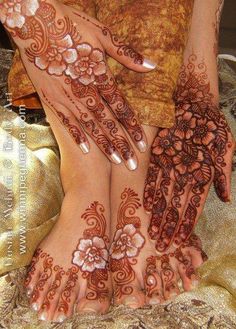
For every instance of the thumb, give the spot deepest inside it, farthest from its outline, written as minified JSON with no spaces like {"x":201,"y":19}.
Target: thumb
{"x":123,"y":53}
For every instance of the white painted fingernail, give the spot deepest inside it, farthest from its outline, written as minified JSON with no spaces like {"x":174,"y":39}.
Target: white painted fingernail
{"x":35,"y":306}
{"x":43,"y":316}
{"x":132,"y":164}
{"x":84,"y":147}
{"x":116,"y":158}
{"x":61,"y":318}
{"x":154,"y":301}
{"x":149,"y":64}
{"x":142,"y":146}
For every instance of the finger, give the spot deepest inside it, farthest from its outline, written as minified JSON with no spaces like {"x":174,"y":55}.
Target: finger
{"x":99,"y":113}
{"x":172,"y":216}
{"x":223,"y":171}
{"x":153,"y":173}
{"x":161,"y":205}
{"x":69,"y":121}
{"x":193,"y":207}
{"x":123,"y":111}
{"x":123,"y":53}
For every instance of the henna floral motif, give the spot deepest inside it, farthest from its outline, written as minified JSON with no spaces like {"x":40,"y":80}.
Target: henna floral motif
{"x":191,"y":153}
{"x":56,"y":48}
{"x":91,"y":254}
{"x":127,"y":244}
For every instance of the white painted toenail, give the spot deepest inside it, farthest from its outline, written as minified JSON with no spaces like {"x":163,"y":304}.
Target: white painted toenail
{"x":130,"y":300}
{"x":154,"y":301}
{"x":35,"y":306}
{"x":61,"y":318}
{"x":173,"y":295}
{"x":28,"y":292}
{"x":88,"y":310}
{"x":151,"y":280}
{"x":195,"y":284}
{"x":43,"y":316}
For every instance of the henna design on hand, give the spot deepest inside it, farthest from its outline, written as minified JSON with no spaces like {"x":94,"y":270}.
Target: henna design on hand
{"x":185,"y":159}
{"x":56,"y":48}
{"x":127,"y":244}
{"x":91,"y":254}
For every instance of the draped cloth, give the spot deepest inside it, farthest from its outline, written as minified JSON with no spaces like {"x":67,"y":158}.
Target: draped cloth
{"x":211,"y":305}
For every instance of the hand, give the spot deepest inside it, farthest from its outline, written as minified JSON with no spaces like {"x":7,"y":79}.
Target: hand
{"x":63,"y":51}
{"x":186,"y":159}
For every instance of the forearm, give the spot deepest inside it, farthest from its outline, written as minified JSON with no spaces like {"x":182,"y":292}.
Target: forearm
{"x":203,"y":43}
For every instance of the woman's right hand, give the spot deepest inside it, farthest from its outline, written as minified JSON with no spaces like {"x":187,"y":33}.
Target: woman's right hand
{"x":63,"y":51}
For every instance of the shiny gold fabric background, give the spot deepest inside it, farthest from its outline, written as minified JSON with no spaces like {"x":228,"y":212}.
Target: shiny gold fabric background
{"x":157,"y":29}
{"x":212,"y":305}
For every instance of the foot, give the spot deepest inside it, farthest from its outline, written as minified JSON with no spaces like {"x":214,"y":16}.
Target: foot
{"x":69,"y":269}
{"x":141,"y":275}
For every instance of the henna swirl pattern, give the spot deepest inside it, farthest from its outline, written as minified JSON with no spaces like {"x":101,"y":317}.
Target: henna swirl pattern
{"x":127,"y":244}
{"x":186,"y":158}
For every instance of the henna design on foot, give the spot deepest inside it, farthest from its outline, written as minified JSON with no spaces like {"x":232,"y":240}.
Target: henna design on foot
{"x":91,"y":254}
{"x":127,"y":244}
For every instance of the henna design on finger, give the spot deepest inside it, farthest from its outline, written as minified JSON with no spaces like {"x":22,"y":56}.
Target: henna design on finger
{"x":192,"y":153}
{"x":56,"y":49}
{"x":127,"y":244}
{"x":91,"y":254}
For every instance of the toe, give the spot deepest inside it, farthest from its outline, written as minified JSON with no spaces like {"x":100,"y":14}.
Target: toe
{"x":169,"y":279}
{"x":188,"y":276}
{"x":135,"y":299}
{"x":33,"y":273}
{"x":39,"y":292}
{"x":154,"y":289}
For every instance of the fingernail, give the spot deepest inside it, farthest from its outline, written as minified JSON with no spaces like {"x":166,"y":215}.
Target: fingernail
{"x":84,"y":147}
{"x":116,"y":158}
{"x":35,"y":306}
{"x":61,"y":318}
{"x":142,"y":146}
{"x":132,"y":164}
{"x":130,"y":300}
{"x":149,"y":64}
{"x":154,"y":301}
{"x":43,"y":316}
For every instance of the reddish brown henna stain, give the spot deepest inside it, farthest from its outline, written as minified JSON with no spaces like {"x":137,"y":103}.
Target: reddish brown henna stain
{"x":91,"y":254}
{"x":191,"y":153}
{"x":56,"y":49}
{"x":127,"y":244}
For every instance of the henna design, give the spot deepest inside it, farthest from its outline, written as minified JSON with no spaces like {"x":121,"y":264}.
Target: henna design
{"x":91,"y":254}
{"x":127,"y":244}
{"x":56,"y":49}
{"x":161,"y":266}
{"x":191,"y":153}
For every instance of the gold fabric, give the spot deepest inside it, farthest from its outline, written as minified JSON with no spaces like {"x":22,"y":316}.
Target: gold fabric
{"x":157,"y":29}
{"x":212,"y":305}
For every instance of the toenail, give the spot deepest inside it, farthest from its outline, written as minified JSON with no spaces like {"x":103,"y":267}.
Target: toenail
{"x":173,"y":295}
{"x":35,"y":306}
{"x":43,"y":316}
{"x":130,"y":300}
{"x":28,"y":292}
{"x":151,"y":280}
{"x":195,"y":284}
{"x":154,"y":301}
{"x":88,"y":310}
{"x":61,"y":318}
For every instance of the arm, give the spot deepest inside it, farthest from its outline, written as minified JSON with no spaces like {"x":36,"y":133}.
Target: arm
{"x":198,"y":149}
{"x":63,"y":51}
